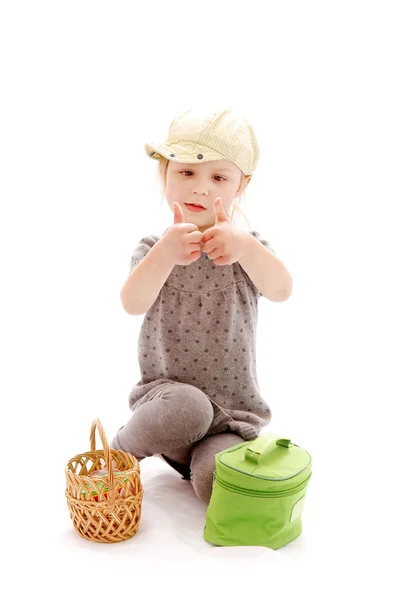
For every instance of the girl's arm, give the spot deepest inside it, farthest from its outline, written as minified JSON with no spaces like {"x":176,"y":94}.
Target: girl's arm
{"x":145,"y":281}
{"x":266,"y":271}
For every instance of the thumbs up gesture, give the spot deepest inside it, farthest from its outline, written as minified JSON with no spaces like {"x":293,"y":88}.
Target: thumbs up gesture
{"x":182,"y":241}
{"x":223,"y":242}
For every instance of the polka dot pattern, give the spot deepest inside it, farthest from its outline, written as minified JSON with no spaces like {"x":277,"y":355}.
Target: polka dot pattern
{"x":201,"y":330}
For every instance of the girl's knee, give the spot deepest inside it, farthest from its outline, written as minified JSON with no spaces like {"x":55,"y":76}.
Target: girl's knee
{"x":180,"y":416}
{"x":188,"y":414}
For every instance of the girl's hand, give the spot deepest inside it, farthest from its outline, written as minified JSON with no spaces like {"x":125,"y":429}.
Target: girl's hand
{"x":182,"y":240}
{"x":223,"y":242}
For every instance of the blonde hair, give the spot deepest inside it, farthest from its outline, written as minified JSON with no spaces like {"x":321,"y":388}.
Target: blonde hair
{"x":162,"y":179}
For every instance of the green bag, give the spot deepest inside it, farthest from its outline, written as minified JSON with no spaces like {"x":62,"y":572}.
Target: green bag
{"x":258,"y":493}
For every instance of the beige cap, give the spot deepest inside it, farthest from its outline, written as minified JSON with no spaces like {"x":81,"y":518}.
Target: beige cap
{"x":198,"y":135}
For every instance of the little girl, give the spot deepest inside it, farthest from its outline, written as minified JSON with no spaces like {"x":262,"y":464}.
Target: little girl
{"x":198,"y":285}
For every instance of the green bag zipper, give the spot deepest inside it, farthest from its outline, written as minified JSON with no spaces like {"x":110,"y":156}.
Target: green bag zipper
{"x":263,"y":476}
{"x":259,"y":494}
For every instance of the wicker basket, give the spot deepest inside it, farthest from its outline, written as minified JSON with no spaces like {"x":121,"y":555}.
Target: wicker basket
{"x":104,"y":508}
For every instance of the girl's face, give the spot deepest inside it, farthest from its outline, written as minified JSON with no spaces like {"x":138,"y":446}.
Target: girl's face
{"x":202,"y":184}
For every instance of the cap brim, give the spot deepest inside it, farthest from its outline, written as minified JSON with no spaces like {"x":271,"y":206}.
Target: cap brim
{"x":182,"y":152}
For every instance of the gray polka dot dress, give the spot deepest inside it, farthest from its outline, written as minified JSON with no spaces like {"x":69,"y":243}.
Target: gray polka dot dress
{"x":201,"y":330}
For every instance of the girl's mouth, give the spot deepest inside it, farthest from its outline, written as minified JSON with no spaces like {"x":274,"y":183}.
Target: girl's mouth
{"x":194,"y":207}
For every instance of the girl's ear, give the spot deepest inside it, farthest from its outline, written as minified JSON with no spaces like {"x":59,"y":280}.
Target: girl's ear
{"x":245,"y":182}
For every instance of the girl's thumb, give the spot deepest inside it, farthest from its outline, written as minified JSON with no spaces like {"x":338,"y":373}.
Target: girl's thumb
{"x":179,"y":217}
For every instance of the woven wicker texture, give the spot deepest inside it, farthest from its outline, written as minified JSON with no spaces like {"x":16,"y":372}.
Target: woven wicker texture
{"x":104,"y":508}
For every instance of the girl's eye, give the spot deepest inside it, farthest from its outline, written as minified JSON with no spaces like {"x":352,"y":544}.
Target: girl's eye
{"x":219,"y":176}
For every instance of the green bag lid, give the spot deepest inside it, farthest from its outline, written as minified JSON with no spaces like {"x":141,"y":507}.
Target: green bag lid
{"x":269,"y":456}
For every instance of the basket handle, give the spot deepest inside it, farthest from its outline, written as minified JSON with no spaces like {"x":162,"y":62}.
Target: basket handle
{"x":260,"y":446}
{"x":107,"y":456}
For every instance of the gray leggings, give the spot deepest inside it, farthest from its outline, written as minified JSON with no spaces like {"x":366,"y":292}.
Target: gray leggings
{"x":173,"y":426}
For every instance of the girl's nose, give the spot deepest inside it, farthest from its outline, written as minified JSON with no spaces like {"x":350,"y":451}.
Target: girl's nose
{"x":200,"y":189}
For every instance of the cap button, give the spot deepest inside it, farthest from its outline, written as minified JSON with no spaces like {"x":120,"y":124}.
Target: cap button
{"x":172,"y":154}
{"x":199,"y":156}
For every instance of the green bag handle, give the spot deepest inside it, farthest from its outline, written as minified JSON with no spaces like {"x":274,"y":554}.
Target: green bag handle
{"x":261,"y":445}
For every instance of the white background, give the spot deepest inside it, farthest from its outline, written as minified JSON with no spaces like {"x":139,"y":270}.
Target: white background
{"x":84,"y":85}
